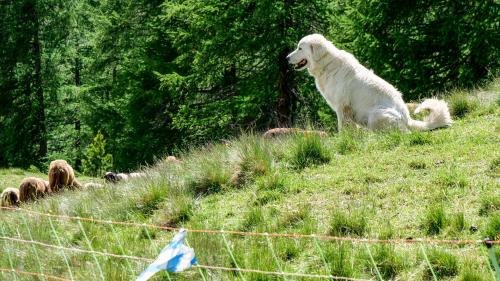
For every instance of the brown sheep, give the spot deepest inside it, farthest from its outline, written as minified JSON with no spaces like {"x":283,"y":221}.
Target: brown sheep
{"x":9,"y":197}
{"x":61,"y":175}
{"x":271,"y":133}
{"x":32,"y":188}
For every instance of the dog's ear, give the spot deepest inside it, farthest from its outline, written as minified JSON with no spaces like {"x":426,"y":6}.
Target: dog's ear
{"x":317,"y":50}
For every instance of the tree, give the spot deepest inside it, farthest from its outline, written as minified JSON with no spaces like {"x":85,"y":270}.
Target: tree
{"x":233,"y":72}
{"x":97,"y":161}
{"x":422,"y":46}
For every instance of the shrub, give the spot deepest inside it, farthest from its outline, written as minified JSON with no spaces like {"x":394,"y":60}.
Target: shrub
{"x":97,"y":161}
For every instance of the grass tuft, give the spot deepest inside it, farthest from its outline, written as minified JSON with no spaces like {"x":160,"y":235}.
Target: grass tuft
{"x":493,"y":227}
{"x":470,"y":272}
{"x":434,"y":220}
{"x":419,"y":138}
{"x":273,"y":181}
{"x":452,"y":177}
{"x":255,"y":159}
{"x":417,"y":165}
{"x":253,"y":218}
{"x":339,"y":256}
{"x":349,"y":140}
{"x":309,"y":151}
{"x":458,"y":222}
{"x":461,"y":104}
{"x":443,"y":263}
{"x":489,"y":204}
{"x":388,"y":261}
{"x":209,"y":174}
{"x":345,"y":224}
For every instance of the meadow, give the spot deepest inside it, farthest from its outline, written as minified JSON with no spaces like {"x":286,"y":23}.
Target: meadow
{"x":442,"y":184}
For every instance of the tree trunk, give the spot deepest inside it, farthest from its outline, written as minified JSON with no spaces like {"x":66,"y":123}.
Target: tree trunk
{"x":287,"y":100}
{"x":78,"y":83}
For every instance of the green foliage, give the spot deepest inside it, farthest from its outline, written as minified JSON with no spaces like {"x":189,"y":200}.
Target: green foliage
{"x":97,"y":161}
{"x":421,"y":46}
{"x":161,"y":76}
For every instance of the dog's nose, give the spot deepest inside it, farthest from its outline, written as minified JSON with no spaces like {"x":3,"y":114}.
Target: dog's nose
{"x":288,"y":57}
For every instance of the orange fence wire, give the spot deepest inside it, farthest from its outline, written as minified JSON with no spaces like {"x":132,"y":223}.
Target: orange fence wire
{"x":243,"y":233}
{"x":148,"y":260}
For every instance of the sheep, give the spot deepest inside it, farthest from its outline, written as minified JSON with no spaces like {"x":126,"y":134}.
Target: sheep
{"x":92,"y":185}
{"x":137,"y":175}
{"x":32,"y":188}
{"x":114,"y":177}
{"x":173,"y":159}
{"x":9,"y":197}
{"x":61,"y":175}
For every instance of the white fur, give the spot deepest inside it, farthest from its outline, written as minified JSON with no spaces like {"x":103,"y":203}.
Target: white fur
{"x":122,"y":176}
{"x":137,"y":175}
{"x":92,"y":185}
{"x":356,"y":94}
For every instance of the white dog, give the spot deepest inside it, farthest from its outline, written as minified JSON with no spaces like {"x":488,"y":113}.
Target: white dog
{"x":356,"y":94}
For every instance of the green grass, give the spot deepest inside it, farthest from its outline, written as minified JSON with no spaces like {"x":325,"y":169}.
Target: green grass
{"x":358,"y":183}
{"x":435,"y":220}
{"x":461,"y":104}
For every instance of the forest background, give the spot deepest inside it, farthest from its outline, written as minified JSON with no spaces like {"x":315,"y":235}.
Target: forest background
{"x":127,"y":82}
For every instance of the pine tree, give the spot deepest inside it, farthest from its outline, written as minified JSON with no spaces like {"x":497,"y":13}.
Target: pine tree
{"x":97,"y":161}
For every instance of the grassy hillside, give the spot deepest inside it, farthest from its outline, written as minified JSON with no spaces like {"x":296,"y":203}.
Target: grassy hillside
{"x":442,"y":184}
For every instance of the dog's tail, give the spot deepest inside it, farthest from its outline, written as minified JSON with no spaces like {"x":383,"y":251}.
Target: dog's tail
{"x":439,"y":116}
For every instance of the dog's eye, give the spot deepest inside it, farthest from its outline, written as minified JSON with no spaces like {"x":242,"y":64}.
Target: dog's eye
{"x":300,"y":48}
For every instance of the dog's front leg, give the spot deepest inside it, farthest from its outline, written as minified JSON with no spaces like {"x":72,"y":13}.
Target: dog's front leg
{"x":340,"y":119}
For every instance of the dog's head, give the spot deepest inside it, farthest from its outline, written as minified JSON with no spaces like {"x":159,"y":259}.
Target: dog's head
{"x":309,"y":51}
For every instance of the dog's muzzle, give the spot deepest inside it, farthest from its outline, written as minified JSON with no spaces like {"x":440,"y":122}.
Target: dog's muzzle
{"x":301,"y":64}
